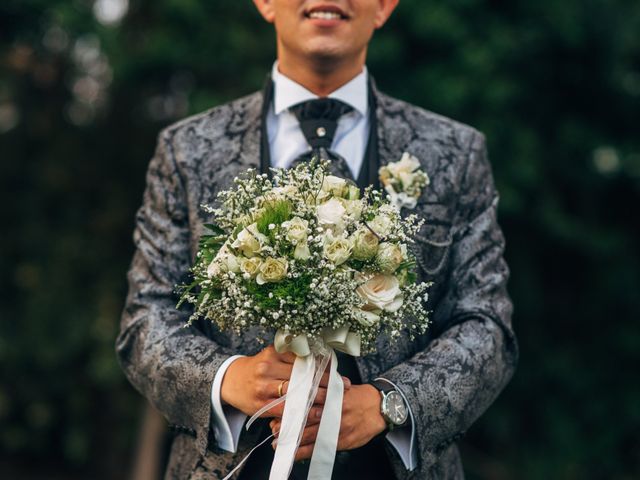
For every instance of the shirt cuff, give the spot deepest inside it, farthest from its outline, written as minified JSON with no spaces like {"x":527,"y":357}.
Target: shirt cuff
{"x":226,"y":421}
{"x":404,"y":439}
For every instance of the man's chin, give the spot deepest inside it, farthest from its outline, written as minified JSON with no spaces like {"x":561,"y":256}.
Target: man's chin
{"x":328,"y":54}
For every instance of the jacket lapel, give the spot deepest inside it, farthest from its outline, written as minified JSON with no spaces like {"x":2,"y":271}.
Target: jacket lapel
{"x":394,"y":133}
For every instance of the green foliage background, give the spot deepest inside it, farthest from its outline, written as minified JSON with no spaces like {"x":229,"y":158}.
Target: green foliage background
{"x":555,"y":85}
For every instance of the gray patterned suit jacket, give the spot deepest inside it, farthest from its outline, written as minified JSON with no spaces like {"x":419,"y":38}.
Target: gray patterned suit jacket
{"x":450,"y":376}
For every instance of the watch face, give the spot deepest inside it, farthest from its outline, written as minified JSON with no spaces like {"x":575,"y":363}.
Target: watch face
{"x":395,"y":409}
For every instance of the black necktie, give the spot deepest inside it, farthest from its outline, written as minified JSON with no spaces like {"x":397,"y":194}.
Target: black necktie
{"x":368,"y":173}
{"x":319,"y":120}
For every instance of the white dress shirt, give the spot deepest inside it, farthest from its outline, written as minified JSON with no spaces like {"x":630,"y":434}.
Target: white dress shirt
{"x":286,"y":140}
{"x":286,"y":143}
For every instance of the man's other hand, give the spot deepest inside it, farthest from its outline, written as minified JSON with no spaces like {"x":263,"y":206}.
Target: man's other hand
{"x":252,"y":382}
{"x":361,"y":421}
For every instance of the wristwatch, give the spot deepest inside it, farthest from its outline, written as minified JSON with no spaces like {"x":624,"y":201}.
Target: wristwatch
{"x":393,"y":408}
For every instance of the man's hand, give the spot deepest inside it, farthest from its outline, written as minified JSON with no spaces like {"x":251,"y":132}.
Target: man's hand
{"x":361,"y":421}
{"x":251,"y":382}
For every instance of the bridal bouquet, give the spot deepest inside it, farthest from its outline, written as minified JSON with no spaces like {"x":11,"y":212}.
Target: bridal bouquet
{"x":305,"y":255}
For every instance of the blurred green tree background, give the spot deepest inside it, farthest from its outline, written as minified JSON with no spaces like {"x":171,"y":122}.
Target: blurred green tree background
{"x":85,"y":86}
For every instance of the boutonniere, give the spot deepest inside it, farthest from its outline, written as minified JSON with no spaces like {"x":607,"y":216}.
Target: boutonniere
{"x":404,"y":180}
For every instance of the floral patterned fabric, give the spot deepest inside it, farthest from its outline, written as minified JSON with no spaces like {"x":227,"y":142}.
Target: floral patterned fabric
{"x":450,"y":376}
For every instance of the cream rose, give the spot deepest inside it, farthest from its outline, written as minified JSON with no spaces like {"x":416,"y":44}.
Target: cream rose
{"x":296,"y":230}
{"x":366,"y":318}
{"x":250,"y":266}
{"x":224,"y":261}
{"x":337,"y":250}
{"x":331,"y":215}
{"x":389,"y":257}
{"x":336,"y":186}
{"x":365,"y":244}
{"x":272,"y":270}
{"x":249,"y":241}
{"x":353,"y":208}
{"x":353,"y":192}
{"x":381,"y":292}
{"x":407,"y":164}
{"x":302,"y":252}
{"x":214,"y":269}
{"x":381,"y":224}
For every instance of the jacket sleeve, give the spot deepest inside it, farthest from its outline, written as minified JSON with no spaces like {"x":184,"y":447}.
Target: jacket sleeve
{"x":460,"y":373}
{"x":172,"y":366}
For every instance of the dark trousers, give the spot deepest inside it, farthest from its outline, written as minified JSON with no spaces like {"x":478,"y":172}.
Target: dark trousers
{"x":369,"y":462}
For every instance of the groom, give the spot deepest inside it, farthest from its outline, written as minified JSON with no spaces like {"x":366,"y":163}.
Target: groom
{"x":206,"y":382}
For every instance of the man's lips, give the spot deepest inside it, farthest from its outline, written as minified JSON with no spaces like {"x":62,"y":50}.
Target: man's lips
{"x":326,"y":13}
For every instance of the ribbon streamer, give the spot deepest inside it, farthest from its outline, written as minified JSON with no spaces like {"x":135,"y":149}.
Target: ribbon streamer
{"x":308,"y":368}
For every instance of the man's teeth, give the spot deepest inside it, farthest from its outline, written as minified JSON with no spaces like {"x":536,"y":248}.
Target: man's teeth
{"x":325,"y":15}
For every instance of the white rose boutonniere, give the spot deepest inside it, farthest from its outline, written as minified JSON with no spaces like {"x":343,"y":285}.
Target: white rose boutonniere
{"x":403,"y":181}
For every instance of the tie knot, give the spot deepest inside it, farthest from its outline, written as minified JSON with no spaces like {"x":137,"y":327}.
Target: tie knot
{"x":319,"y":119}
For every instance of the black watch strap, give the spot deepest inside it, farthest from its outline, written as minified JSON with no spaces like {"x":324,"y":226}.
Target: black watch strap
{"x":383,"y":386}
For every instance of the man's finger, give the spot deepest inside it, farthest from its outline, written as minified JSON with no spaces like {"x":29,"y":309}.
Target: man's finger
{"x":274,"y":425}
{"x":309,"y":434}
{"x":304,"y":452}
{"x":321,"y":397}
{"x":324,"y":381}
{"x":274,"y":370}
{"x":274,"y":412}
{"x":315,"y":414}
{"x":287,"y":357}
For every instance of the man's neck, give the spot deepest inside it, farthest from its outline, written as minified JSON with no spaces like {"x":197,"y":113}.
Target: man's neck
{"x":321,"y":78}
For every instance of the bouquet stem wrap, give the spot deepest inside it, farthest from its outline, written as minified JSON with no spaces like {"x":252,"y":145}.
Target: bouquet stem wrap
{"x":311,"y":362}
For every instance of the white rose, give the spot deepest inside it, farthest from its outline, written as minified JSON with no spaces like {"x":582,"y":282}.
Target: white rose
{"x":337,"y":250}
{"x":353,"y":192}
{"x":302,"y":251}
{"x":381,"y":292}
{"x":366,"y":318}
{"x":353,"y":208}
{"x":335,"y":185}
{"x":224,"y":261}
{"x":331,"y":215}
{"x":214,"y":269}
{"x":407,"y":179}
{"x":250,"y":265}
{"x":272,"y":270}
{"x":385,"y":175}
{"x":381,"y":224}
{"x":389,"y":257}
{"x":296,"y":230}
{"x":249,"y":241}
{"x":407,"y":164}
{"x":365,"y":244}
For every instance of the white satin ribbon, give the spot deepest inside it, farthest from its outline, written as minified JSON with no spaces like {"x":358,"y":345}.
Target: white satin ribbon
{"x":312,"y":357}
{"x":324,"y":450}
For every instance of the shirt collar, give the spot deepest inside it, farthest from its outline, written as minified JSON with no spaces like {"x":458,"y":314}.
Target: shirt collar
{"x":287,"y":93}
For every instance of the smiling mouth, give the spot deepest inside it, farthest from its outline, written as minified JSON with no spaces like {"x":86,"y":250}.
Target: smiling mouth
{"x":325,"y":16}
{"x":325,"y":13}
